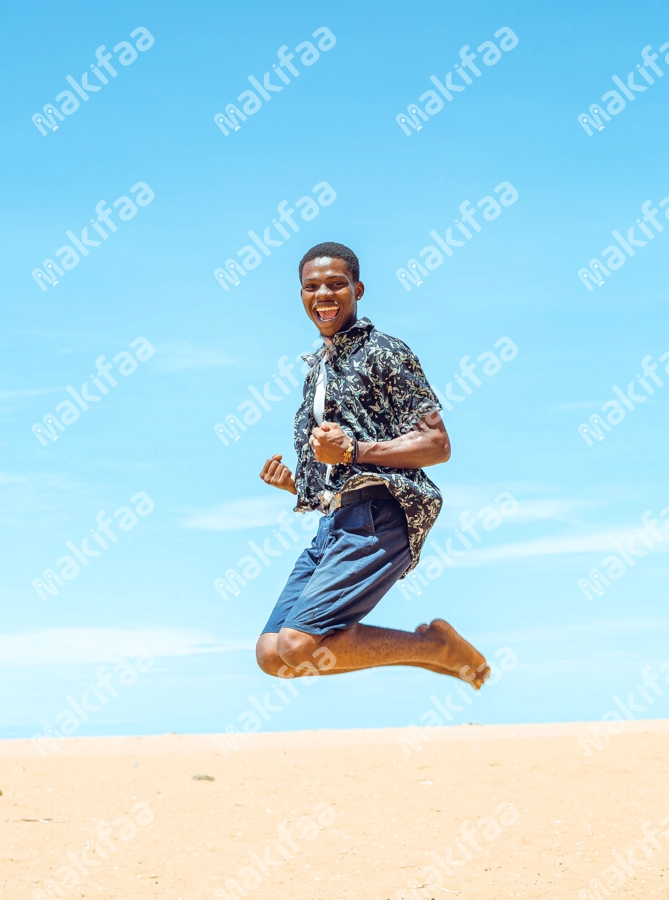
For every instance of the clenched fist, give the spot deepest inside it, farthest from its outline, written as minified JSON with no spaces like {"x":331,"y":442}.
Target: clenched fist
{"x":329,"y":442}
{"x":277,"y":474}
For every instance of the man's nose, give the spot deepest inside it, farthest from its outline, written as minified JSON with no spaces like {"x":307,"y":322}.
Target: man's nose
{"x":323,"y":291}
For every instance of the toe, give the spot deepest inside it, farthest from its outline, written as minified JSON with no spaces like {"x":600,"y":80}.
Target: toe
{"x":480,"y":680}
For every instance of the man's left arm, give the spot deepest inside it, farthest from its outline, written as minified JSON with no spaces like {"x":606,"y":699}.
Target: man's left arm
{"x":427,"y":444}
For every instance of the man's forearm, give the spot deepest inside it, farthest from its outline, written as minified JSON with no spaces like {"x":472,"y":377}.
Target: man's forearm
{"x":413,"y":450}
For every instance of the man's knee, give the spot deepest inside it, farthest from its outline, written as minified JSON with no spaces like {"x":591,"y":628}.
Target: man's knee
{"x":267,"y":655}
{"x":294,"y":647}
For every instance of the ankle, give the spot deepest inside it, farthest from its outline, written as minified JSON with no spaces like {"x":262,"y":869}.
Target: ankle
{"x":433,"y":643}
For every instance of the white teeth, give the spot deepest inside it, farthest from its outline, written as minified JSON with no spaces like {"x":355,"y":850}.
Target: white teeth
{"x":324,"y":310}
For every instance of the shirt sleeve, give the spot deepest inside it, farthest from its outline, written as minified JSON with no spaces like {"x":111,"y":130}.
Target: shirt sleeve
{"x":410,"y":395}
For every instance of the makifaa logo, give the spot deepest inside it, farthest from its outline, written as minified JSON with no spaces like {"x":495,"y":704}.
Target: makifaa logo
{"x":309,"y":209}
{"x":51,"y":580}
{"x":432,"y":102}
{"x":251,"y":103}
{"x":410,"y":276}
{"x":613,"y":410}
{"x":68,"y":412}
{"x":68,"y":257}
{"x":613,"y":255}
{"x":592,"y":120}
{"x":47,"y":121}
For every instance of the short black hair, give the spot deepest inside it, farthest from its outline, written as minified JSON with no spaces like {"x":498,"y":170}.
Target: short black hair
{"x":334,"y":251}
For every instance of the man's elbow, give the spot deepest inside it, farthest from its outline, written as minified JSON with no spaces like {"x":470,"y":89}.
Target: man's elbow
{"x":442,"y":449}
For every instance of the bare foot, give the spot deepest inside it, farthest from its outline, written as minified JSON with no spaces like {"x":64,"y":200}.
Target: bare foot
{"x":443,"y":669}
{"x":456,"y":656}
{"x":440,"y":670}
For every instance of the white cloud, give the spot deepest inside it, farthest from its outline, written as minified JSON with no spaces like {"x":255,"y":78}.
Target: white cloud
{"x":599,"y":630}
{"x":458,"y":498}
{"x":599,"y":542}
{"x":560,"y":509}
{"x":37,"y":493}
{"x":593,"y":405}
{"x":178,"y":356}
{"x":87,"y":646}
{"x":249,"y":512}
{"x":34,"y":392}
{"x":9,"y":478}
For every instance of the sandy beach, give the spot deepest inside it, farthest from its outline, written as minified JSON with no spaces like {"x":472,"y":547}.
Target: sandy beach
{"x":528,"y":811}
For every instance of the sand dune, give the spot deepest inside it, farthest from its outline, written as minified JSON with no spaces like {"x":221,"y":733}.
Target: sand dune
{"x":496,"y":812}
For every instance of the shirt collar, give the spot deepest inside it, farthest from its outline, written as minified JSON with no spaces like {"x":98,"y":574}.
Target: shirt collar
{"x":353,"y":334}
{"x":359,"y":328}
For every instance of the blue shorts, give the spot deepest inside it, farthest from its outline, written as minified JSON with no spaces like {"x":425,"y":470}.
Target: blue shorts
{"x":357,"y":555}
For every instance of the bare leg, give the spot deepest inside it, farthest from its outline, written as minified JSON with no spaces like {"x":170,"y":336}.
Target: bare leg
{"x":270,"y":662}
{"x":437,"y":647}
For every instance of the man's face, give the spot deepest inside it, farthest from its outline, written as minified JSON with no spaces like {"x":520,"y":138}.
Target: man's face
{"x":329,"y":294}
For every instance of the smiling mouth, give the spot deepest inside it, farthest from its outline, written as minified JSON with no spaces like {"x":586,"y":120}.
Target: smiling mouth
{"x":326,"y":312}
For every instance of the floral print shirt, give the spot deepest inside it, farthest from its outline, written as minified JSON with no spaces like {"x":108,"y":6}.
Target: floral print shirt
{"x":376,"y":391}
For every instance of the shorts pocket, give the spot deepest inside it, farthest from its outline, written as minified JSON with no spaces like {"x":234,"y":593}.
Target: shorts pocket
{"x":386,"y":514}
{"x":356,"y":519}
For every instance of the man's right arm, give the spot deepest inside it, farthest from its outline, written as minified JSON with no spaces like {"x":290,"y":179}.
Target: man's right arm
{"x":277,"y":474}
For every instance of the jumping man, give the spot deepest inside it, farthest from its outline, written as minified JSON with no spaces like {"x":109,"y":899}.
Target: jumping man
{"x":368,"y":423}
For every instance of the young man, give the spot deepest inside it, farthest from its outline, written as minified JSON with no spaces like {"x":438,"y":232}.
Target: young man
{"x":368,"y":423}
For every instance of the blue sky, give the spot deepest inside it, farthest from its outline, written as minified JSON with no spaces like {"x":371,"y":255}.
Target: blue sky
{"x":153,"y":278}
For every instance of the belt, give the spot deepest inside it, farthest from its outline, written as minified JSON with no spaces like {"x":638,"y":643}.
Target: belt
{"x":373,"y":492}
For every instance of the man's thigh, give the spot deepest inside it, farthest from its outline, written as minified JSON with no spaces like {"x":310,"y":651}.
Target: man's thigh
{"x":305,"y":566}
{"x":367,"y":553}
